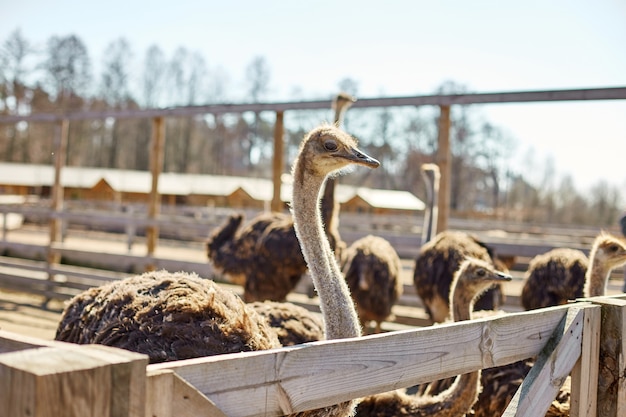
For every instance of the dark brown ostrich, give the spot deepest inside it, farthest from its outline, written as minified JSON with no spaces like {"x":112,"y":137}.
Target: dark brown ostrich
{"x":435,"y":265}
{"x":472,"y":278}
{"x":372,"y":270}
{"x":564,"y":274}
{"x":292,"y":323}
{"x":174,"y":316}
{"x":554,"y":277}
{"x":264,"y":256}
{"x":167,"y":316}
{"x":501,"y":383}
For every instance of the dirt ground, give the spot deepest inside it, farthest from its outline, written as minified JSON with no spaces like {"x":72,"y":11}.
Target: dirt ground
{"x":26,"y":314}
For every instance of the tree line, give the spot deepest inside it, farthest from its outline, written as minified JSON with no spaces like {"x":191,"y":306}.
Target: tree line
{"x":59,"y":77}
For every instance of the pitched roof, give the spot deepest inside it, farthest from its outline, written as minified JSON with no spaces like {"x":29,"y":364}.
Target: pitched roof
{"x":185,"y":184}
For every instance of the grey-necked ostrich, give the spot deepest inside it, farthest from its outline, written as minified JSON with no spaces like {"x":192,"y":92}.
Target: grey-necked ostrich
{"x":607,"y":252}
{"x":472,"y":278}
{"x":264,"y":255}
{"x":174,"y":316}
{"x":372,"y":269}
{"x":440,"y":256}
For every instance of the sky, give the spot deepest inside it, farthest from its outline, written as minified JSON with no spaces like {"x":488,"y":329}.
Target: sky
{"x":401,"y":48}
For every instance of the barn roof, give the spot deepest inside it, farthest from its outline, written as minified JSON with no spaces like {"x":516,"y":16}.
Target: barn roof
{"x":130,"y":181}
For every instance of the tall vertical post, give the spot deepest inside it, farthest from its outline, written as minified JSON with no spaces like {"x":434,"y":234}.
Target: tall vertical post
{"x":56,"y":205}
{"x":277,"y":167}
{"x":156,"y":162}
{"x":443,"y":160}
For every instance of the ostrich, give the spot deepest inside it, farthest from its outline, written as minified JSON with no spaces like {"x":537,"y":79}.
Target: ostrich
{"x":167,"y":316}
{"x":439,"y":257}
{"x":264,"y":256}
{"x":435,"y":265}
{"x":292,"y":323}
{"x":174,"y":316}
{"x":472,"y":278}
{"x":564,"y":274}
{"x":372,"y":270}
{"x":607,"y":252}
{"x":554,"y":277}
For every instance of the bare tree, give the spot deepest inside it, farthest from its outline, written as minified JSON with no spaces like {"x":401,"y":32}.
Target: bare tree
{"x":14,"y":93}
{"x":258,"y":78}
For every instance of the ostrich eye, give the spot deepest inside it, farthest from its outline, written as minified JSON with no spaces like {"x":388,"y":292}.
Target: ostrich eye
{"x":613,"y":248}
{"x":481,"y":272}
{"x":330,"y":145}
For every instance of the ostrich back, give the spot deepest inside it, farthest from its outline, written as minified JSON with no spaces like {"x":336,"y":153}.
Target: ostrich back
{"x":372,"y":268}
{"x":293,"y":324}
{"x":435,"y":266}
{"x":168,"y":316}
{"x":554,"y":277}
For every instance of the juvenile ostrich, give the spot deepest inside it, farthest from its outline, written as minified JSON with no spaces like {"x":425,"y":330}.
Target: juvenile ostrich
{"x":264,"y":256}
{"x":372,"y":270}
{"x":439,"y":257}
{"x":435,"y":265}
{"x":554,"y":277}
{"x":293,"y":324}
{"x":607,"y":252}
{"x":472,"y":278}
{"x":565,"y":274}
{"x":175,"y":316}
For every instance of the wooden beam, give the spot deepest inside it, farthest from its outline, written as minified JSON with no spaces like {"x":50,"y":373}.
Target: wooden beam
{"x":154,"y":203}
{"x":443,"y":160}
{"x":584,"y":383}
{"x":609,"y":93}
{"x":55,"y":230}
{"x":551,"y":368}
{"x":314,"y":375}
{"x":277,"y":167}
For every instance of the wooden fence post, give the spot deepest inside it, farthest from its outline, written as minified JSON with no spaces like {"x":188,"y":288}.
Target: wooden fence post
{"x":73,"y":381}
{"x":277,"y":167}
{"x":156,"y":163}
{"x":584,"y":383}
{"x":443,"y":160}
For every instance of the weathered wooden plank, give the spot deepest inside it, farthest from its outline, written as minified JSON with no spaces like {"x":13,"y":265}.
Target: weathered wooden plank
{"x":584,"y":383}
{"x":551,"y":368}
{"x":612,"y":371}
{"x":313,"y":375}
{"x":71,"y":380}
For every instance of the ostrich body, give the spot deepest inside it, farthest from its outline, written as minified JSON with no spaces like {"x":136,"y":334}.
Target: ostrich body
{"x":607,"y":252}
{"x":264,"y":256}
{"x":436,"y":264}
{"x":293,"y":324}
{"x":372,"y":270}
{"x":554,"y":277}
{"x":472,"y":278}
{"x":167,"y":316}
{"x":173,"y":316}
{"x":565,"y":274}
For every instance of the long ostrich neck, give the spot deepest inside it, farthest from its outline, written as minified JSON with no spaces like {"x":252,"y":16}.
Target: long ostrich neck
{"x":336,"y":305}
{"x":462,"y":394}
{"x":596,"y":277}
{"x":432,"y":209}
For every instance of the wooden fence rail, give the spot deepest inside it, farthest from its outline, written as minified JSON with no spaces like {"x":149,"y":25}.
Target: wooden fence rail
{"x":583,"y":339}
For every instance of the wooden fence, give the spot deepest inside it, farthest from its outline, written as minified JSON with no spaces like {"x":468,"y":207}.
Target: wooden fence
{"x":584,"y":339}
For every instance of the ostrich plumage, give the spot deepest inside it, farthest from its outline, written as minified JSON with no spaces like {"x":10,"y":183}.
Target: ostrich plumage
{"x":372,"y":269}
{"x":167,"y":316}
{"x":292,"y":323}
{"x":436,"y":264}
